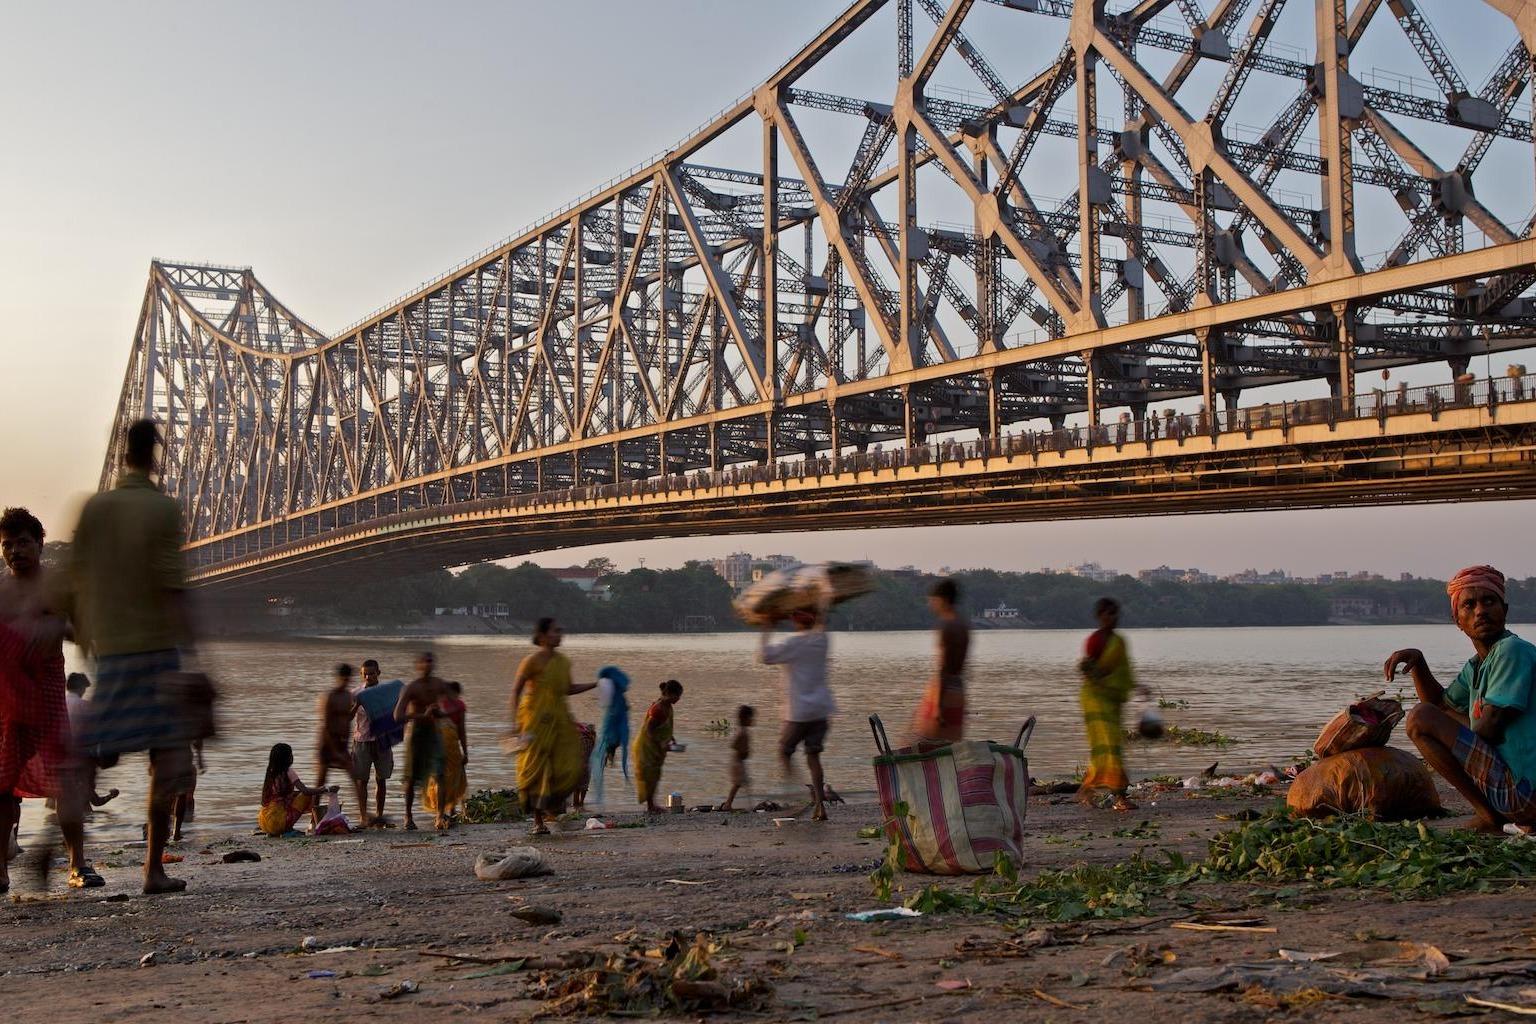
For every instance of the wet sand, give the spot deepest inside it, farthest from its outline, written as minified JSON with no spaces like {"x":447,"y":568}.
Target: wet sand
{"x":232,"y":947}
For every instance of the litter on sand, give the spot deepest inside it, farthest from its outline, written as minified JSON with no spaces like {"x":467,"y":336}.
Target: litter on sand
{"x":518,"y":862}
{"x":886,"y":914}
{"x":316,"y":975}
{"x":400,"y":988}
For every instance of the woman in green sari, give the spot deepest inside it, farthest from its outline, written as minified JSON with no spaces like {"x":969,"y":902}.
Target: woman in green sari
{"x":1107,"y":683}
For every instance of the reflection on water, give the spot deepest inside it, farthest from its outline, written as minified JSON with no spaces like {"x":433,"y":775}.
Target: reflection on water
{"x":1272,"y":689}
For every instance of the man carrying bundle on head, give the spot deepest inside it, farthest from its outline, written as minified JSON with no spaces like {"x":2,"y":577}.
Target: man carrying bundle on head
{"x":1479,"y":733}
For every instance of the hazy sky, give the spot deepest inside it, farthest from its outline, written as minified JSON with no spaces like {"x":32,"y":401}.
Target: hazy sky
{"x":350,"y":150}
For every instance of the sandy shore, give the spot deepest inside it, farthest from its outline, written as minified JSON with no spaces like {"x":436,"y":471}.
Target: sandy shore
{"x":376,"y":907}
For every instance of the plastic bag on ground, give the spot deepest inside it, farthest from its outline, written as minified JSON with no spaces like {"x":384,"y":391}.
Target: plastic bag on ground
{"x":779,"y":593}
{"x":1387,"y":783}
{"x":1367,"y":723}
{"x":518,"y":862}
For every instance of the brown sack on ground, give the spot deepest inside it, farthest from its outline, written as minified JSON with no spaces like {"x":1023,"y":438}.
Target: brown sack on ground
{"x":1368,"y":723}
{"x":1384,"y":782}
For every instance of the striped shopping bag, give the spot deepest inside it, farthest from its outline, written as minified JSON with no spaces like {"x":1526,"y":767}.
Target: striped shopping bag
{"x":964,"y":802}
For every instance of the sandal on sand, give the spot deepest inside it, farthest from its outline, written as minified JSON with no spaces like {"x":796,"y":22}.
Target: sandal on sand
{"x":542,"y":830}
{"x":410,"y":826}
{"x":85,"y":878}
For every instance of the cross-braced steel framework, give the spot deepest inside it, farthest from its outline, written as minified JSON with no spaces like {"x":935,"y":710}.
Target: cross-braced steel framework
{"x":813,"y":272}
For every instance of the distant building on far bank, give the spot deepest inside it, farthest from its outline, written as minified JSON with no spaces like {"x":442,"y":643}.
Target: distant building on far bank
{"x":1002,"y":613}
{"x":742,"y":569}
{"x":1093,"y":571}
{"x":588,"y":581}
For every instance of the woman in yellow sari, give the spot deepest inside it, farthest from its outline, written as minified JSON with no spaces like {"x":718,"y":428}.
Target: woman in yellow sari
{"x":653,"y":742}
{"x":550,"y":762}
{"x":1107,"y":683}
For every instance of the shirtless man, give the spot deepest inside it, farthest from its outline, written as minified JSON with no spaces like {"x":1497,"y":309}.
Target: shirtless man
{"x":36,"y":753}
{"x":941,"y":716}
{"x":335,"y":727}
{"x":418,"y":709}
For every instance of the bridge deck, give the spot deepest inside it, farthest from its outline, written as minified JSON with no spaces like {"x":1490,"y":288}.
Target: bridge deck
{"x":1436,"y":445}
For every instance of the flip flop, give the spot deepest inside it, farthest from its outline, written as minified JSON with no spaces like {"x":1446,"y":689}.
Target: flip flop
{"x":410,"y":826}
{"x":86,"y":878}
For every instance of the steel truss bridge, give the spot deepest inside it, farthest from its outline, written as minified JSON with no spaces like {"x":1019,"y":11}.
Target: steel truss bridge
{"x":812,"y":312}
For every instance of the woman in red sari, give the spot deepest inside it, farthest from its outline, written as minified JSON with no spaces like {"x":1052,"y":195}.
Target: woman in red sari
{"x":36,"y":759}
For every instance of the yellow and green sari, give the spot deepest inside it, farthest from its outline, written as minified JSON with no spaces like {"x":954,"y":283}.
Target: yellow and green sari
{"x":549,"y":767}
{"x":1106,"y":686}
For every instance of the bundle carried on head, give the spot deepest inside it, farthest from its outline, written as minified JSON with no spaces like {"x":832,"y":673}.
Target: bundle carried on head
{"x":802,"y":588}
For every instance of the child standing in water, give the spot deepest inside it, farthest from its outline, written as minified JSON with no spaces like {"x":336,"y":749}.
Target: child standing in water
{"x":741,"y":750}
{"x":653,"y":742}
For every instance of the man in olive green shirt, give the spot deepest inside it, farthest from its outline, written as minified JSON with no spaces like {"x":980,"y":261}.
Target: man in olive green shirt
{"x":127,"y":595}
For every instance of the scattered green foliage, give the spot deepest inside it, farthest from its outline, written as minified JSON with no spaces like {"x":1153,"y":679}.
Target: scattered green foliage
{"x":1182,"y":737}
{"x":1170,"y":704}
{"x":489,"y":806}
{"x":1081,"y":892}
{"x":1141,"y":830}
{"x":719,"y":727}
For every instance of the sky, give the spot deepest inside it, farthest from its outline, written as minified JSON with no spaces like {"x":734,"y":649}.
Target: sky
{"x":349,"y":151}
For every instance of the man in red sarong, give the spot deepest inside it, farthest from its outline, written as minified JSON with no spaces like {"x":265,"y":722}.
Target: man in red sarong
{"x":36,"y":759}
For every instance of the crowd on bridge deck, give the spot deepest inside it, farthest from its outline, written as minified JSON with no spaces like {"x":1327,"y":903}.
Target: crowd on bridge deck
{"x":122,"y":598}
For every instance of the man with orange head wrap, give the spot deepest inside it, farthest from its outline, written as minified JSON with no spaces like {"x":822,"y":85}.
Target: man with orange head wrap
{"x":1480,"y":732}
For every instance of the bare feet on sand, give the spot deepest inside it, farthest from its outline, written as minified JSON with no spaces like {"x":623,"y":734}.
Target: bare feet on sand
{"x":159,"y":882}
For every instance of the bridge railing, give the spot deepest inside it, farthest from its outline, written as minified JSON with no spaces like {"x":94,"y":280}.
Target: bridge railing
{"x":1378,"y":404}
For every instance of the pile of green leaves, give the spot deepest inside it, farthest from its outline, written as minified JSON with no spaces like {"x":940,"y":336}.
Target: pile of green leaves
{"x":489,"y":806}
{"x":1411,"y":860}
{"x":1406,"y":859}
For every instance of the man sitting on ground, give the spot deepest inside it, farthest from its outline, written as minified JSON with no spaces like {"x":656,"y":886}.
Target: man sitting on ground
{"x":1480,"y":732}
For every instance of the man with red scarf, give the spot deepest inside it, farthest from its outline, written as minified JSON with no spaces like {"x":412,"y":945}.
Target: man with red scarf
{"x":1479,"y":733}
{"x":35,"y":756}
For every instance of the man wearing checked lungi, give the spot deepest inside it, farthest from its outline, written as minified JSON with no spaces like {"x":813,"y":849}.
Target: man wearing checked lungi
{"x":129,"y":605}
{"x":1479,"y":733}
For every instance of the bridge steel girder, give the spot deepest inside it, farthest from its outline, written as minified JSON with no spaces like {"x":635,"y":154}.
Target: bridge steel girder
{"x":692,"y":315}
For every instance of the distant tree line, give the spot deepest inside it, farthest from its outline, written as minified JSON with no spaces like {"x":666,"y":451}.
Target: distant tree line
{"x":664,"y":600}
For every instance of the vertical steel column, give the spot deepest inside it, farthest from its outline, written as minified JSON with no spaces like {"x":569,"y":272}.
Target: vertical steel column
{"x":578,"y":285}
{"x":1334,"y":143}
{"x":910,"y":236}
{"x":907,"y":425}
{"x":1092,"y":383}
{"x":1087,"y":169}
{"x":994,"y":427}
{"x":835,"y":435}
{"x":770,"y":256}
{"x":1344,"y":327}
{"x":985,"y":324}
{"x":1207,"y":374}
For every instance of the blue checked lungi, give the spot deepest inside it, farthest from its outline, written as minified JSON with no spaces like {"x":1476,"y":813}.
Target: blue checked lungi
{"x":127,"y":713}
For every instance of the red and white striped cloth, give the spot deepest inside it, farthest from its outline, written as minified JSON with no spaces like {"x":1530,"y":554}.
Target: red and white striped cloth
{"x":965,"y":803}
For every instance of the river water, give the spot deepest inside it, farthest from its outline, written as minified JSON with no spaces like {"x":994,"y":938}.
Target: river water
{"x":1269,"y":688}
